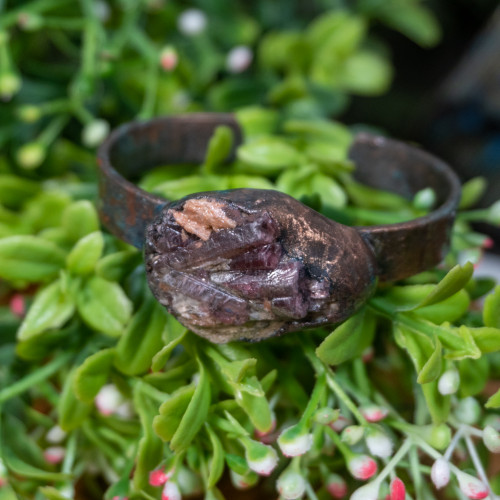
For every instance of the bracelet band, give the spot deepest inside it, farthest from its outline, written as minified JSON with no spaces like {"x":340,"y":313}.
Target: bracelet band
{"x":393,"y":251}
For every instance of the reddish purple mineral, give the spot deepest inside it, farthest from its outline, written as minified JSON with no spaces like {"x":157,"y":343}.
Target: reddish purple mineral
{"x":249,"y":264}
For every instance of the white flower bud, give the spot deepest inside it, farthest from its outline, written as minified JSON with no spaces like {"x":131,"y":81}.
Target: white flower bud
{"x":54,"y":454}
{"x":108,"y":399}
{"x":491,"y":439}
{"x":171,"y":491}
{"x":192,"y":22}
{"x":55,"y":435}
{"x":471,"y":486}
{"x":294,"y":441}
{"x":379,"y":443}
{"x":95,"y":132}
{"x":239,"y":59}
{"x":260,"y":457}
{"x":449,"y":382}
{"x":440,"y":473}
{"x":367,"y":492}
{"x":291,"y":485}
{"x":362,"y":467}
{"x":468,"y":411}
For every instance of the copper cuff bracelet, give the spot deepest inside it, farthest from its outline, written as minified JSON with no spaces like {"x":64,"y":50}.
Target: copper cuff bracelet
{"x":247,"y":264}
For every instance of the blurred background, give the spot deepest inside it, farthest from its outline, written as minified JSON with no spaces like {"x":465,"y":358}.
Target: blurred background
{"x":424,"y":71}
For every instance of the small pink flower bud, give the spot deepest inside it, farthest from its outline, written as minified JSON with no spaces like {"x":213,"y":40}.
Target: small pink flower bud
{"x":440,"y":473}
{"x":367,"y":492}
{"x":488,"y":243}
{"x":491,"y":439}
{"x":108,"y":399}
{"x":294,"y":441}
{"x":341,"y":422}
{"x":449,"y":382}
{"x":291,"y":485}
{"x":169,"y":58}
{"x":192,"y":22}
{"x":368,"y":354}
{"x":336,"y":486}
{"x":398,"y":489}
{"x":54,"y":454}
{"x":119,"y":498}
{"x":374,"y":413}
{"x":158,"y":477}
{"x":260,"y":457}
{"x":3,"y":474}
{"x":239,"y":59}
{"x":362,"y":467}
{"x":352,"y":434}
{"x":379,"y":443}
{"x":471,"y":486}
{"x":17,"y":305}
{"x":171,"y":491}
{"x":55,"y":435}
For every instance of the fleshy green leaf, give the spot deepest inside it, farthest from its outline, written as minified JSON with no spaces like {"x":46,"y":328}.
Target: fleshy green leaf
{"x":142,"y":338}
{"x":348,"y":340}
{"x":80,"y":219}
{"x":71,"y":411}
{"x":85,"y":254}
{"x":150,"y":449}
{"x":14,"y":190}
{"x":217,"y":461}
{"x":104,"y":306}
{"x":472,"y":191}
{"x":162,"y":356}
{"x":473,"y":376}
{"x":425,"y":353}
{"x":218,"y":148}
{"x":52,"y":307}
{"x":491,"y":311}
{"x":254,"y":403}
{"x":29,"y":258}
{"x":115,"y":266}
{"x":268,"y":155}
{"x":454,"y":281}
{"x":437,"y":404}
{"x":432,"y":368}
{"x":494,"y":401}
{"x":92,"y":374}
{"x":486,"y":338}
{"x":195,"y":415}
{"x":25,"y":470}
{"x":171,"y":412}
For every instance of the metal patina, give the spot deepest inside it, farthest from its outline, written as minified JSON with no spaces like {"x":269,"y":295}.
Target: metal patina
{"x":249,"y":264}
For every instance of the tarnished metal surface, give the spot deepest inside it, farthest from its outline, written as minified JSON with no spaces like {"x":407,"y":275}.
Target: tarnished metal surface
{"x":250,"y":264}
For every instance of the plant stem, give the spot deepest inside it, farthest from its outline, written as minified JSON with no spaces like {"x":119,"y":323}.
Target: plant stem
{"x":478,"y":465}
{"x":36,"y":6}
{"x":34,"y":378}
{"x":403,"y":450}
{"x":339,"y":392}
